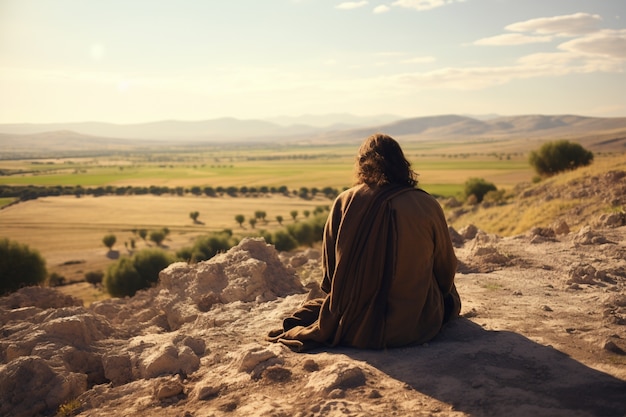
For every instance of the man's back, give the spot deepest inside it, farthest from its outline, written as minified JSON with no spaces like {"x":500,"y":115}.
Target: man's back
{"x":424,"y":270}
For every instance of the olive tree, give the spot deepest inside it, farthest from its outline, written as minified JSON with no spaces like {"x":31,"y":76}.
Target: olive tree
{"x":558,"y":156}
{"x":261,"y":215}
{"x":239,"y":218}
{"x":109,"y":240}
{"x":158,"y":236}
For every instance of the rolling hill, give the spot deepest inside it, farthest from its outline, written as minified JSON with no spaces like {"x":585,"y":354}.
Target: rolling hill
{"x":599,"y":134}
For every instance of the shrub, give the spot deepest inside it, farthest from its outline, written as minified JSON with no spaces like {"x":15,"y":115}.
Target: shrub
{"x":318,"y":222}
{"x":559,"y":156}
{"x":283,"y":241}
{"x":94,"y":277}
{"x":478,"y":187}
{"x":131,"y":274}
{"x":302,"y":233}
{"x":19,"y":266}
{"x":158,"y":236}
{"x":267,"y":236}
{"x":206,"y":247}
{"x":109,"y":241}
{"x":56,"y":280}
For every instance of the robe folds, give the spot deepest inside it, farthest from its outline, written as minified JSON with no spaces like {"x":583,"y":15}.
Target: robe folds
{"x":388,"y":274}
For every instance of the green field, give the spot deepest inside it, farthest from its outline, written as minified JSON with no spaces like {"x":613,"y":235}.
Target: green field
{"x":294,"y":167}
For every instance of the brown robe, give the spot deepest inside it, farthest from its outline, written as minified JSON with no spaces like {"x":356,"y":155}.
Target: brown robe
{"x":389,"y":268}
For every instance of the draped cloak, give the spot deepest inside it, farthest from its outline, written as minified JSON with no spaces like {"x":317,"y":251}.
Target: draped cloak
{"x":389,"y":267}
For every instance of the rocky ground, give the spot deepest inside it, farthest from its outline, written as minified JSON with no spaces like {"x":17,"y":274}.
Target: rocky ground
{"x":542,"y":333}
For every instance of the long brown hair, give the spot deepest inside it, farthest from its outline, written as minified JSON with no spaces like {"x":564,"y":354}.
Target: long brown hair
{"x":381,"y":161}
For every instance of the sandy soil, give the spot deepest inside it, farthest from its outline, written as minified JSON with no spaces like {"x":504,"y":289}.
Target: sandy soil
{"x":537,"y":338}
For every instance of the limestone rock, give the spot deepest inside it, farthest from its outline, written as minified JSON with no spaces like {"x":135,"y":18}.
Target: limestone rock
{"x":341,"y":375}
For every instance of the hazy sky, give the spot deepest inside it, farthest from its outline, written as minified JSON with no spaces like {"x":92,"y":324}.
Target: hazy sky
{"x":127,"y":61}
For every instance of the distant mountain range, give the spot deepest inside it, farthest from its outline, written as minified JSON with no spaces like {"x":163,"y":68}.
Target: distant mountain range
{"x":605,"y":132}
{"x":527,"y":126}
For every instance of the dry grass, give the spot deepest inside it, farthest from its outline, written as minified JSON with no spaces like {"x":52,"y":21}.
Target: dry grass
{"x":68,"y":231}
{"x":541,"y":209}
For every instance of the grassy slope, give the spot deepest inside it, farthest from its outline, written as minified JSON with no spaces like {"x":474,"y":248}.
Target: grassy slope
{"x":552,"y":199}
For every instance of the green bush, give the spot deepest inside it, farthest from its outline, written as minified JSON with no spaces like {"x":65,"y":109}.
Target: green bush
{"x":94,"y":277}
{"x":267,"y":236}
{"x":131,"y":274}
{"x":283,"y":241}
{"x":158,"y":236}
{"x":20,"y":266}
{"x":56,"y":280}
{"x":206,"y":247}
{"x":559,"y":156}
{"x":302,"y":232}
{"x":318,"y":222}
{"x":478,"y":187}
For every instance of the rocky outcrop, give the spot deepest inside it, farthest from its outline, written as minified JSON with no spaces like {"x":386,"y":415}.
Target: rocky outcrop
{"x":54,"y":349}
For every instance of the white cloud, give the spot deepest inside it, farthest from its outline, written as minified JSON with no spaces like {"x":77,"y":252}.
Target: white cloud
{"x":381,"y":9}
{"x":608,"y":43}
{"x":561,"y":63}
{"x":565,"y":25}
{"x":464,"y":79}
{"x":540,"y":65}
{"x":349,"y":5}
{"x":421,"y":5}
{"x":512,"y":39}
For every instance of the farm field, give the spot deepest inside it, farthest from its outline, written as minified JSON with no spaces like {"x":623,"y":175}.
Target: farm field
{"x":441,"y":171}
{"x":68,"y":231}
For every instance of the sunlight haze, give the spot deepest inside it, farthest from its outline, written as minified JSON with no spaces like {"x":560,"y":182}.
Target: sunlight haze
{"x":145,"y":60}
